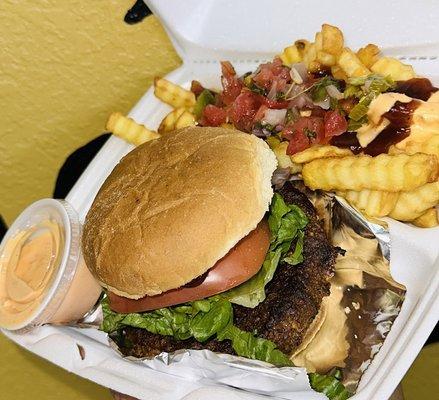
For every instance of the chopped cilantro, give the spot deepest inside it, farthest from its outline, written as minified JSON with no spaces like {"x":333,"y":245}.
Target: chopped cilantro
{"x":257,"y":89}
{"x":291,"y":116}
{"x":335,"y":105}
{"x":280,"y":96}
{"x":310,"y":134}
{"x":318,"y":91}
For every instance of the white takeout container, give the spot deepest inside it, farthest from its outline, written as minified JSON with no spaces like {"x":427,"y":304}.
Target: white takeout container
{"x":247,"y":33}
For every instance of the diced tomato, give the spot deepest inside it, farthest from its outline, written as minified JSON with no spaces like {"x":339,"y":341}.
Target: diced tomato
{"x":243,"y":110}
{"x":272,"y":72}
{"x":231,"y":84}
{"x":213,"y":116}
{"x":335,"y":124}
{"x":298,"y":142}
{"x":260,"y":113}
{"x":274,"y":103}
{"x":227,"y":68}
{"x":196,"y":88}
{"x":318,"y":112}
{"x":303,"y":133}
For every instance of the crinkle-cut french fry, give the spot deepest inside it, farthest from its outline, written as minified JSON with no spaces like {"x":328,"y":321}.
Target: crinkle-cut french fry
{"x":414,"y":203}
{"x":129,"y":130}
{"x":374,"y":203}
{"x":185,"y":119}
{"x":396,"y":69}
{"x":314,"y":152}
{"x":173,"y":94}
{"x":392,"y":173}
{"x":351,"y":64}
{"x":332,"y":40}
{"x":429,"y":146}
{"x":291,"y":55}
{"x":369,"y":54}
{"x":168,"y":123}
{"x":427,"y":220}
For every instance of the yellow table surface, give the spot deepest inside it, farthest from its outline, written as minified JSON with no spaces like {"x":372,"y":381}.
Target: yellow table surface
{"x":65,"y":65}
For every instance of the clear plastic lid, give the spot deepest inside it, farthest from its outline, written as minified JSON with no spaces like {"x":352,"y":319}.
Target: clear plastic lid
{"x":32,"y":222}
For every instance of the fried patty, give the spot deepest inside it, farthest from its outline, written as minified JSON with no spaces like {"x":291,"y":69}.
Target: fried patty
{"x":294,"y":297}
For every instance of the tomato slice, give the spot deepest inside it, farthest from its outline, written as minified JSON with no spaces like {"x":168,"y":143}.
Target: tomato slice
{"x":237,"y":266}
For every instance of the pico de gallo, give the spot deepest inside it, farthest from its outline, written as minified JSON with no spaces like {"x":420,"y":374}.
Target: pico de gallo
{"x":303,"y":108}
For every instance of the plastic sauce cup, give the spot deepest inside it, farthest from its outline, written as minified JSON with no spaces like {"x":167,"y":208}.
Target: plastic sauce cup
{"x":43,"y":276}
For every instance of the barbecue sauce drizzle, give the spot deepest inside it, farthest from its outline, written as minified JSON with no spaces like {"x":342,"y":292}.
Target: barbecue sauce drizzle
{"x":400,"y":117}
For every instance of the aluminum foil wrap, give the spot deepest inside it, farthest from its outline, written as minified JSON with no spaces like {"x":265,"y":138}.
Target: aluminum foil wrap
{"x":354,"y":319}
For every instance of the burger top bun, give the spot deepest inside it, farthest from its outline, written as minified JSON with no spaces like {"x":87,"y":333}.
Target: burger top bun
{"x":174,"y":206}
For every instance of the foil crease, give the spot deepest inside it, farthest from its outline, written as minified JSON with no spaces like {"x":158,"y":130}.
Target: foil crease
{"x":209,"y":368}
{"x":344,"y":213}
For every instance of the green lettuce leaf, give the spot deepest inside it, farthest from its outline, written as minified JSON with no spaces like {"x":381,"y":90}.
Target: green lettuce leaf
{"x":201,"y":320}
{"x":296,"y":257}
{"x":248,"y":345}
{"x":329,"y":385}
{"x":251,"y":293}
{"x":165,"y":321}
{"x":198,"y":319}
{"x":204,"y":325}
{"x":286,"y":222}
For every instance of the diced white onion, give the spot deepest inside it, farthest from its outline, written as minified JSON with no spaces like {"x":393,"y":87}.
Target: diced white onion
{"x":273,"y":91}
{"x":301,"y":70}
{"x":334,"y":92}
{"x":274,"y":117}
{"x":300,"y":101}
{"x":325,"y":104}
{"x":295,"y":76}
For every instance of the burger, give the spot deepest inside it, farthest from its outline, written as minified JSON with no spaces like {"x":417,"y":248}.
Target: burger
{"x":196,"y":250}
